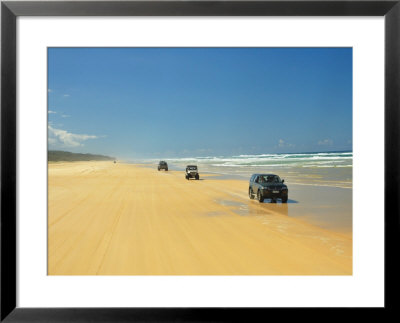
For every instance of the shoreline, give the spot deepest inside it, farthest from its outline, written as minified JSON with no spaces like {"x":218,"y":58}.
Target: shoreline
{"x":133,"y":220}
{"x":318,"y":176}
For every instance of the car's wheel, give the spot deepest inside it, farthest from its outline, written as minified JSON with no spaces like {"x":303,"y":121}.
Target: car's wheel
{"x":284,"y":200}
{"x":158,"y":169}
{"x":166,"y":169}
{"x":197,"y":176}
{"x":273,"y":201}
{"x":251,"y":195}
{"x":260,"y":198}
{"x":187,"y":177}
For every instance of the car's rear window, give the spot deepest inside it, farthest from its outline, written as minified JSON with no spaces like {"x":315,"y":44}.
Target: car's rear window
{"x":270,"y":179}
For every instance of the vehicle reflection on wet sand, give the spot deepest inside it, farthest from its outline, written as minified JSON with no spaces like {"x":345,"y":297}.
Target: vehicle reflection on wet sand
{"x":268,"y":209}
{"x":250,"y":208}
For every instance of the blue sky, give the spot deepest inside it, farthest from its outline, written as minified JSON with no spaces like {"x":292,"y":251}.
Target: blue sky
{"x":189,"y":102}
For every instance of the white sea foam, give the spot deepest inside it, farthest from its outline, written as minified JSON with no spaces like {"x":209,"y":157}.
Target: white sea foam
{"x":330,"y":159}
{"x":297,"y":165}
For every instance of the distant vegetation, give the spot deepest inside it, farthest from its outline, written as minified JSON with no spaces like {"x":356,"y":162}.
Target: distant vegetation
{"x":58,"y":155}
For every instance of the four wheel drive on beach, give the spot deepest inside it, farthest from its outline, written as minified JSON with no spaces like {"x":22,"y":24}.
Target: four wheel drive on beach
{"x":191,"y":172}
{"x":264,"y":186}
{"x":163,"y":165}
{"x":267,"y":186}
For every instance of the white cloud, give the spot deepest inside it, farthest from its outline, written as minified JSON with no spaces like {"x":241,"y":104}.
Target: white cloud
{"x":49,"y":90}
{"x":66,"y":95}
{"x":325,"y":142}
{"x":52,"y":141}
{"x":59,"y":137}
{"x":65,"y":115}
{"x":283,"y":144}
{"x":51,"y":112}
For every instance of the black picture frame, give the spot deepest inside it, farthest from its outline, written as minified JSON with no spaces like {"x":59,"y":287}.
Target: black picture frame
{"x":10,"y":10}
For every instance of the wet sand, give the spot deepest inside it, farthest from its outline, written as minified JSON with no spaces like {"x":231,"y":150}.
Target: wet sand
{"x":124,"y":219}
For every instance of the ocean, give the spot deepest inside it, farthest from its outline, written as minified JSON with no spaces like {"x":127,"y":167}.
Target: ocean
{"x":316,"y":168}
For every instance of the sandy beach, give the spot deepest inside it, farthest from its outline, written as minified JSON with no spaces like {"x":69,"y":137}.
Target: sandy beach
{"x":126,"y":219}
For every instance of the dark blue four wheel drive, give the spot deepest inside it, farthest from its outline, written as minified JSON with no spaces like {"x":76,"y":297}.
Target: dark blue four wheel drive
{"x":267,"y":186}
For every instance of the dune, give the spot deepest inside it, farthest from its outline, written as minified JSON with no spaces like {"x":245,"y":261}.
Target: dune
{"x":125,"y":219}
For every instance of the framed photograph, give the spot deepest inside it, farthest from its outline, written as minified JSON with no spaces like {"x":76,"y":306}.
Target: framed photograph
{"x":197,"y":160}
